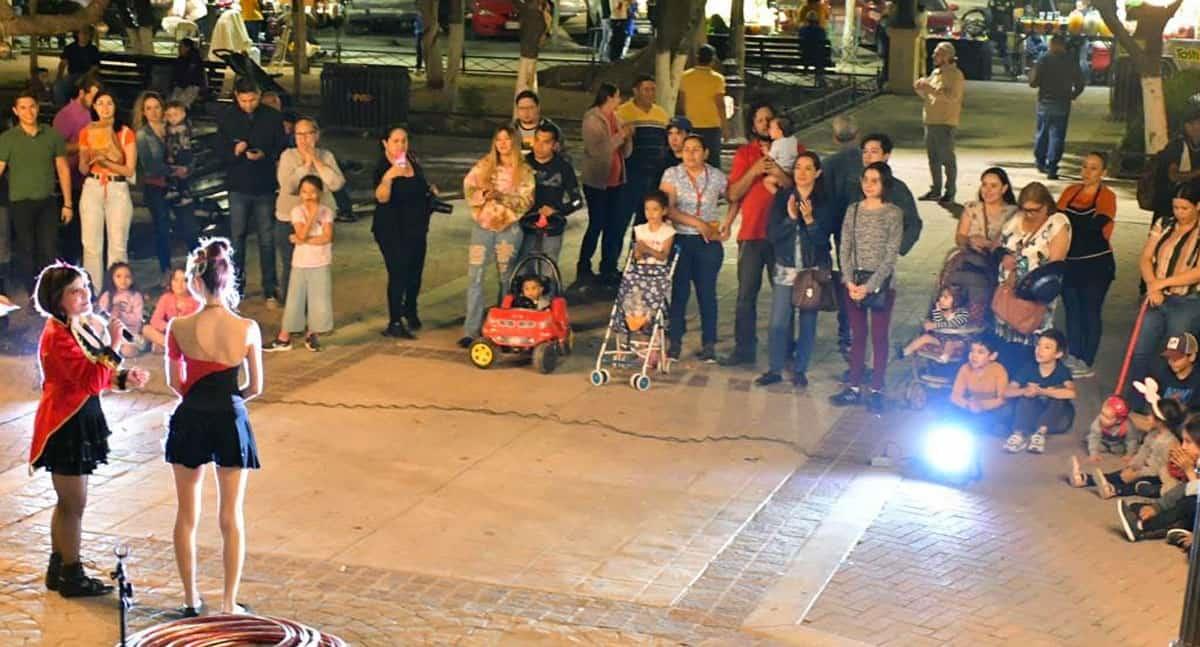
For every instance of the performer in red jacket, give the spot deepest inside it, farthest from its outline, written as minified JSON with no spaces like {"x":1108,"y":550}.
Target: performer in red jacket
{"x":70,"y":436}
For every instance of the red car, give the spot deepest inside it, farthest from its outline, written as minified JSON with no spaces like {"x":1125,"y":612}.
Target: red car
{"x":492,"y":18}
{"x":509,"y":328}
{"x":939,"y":18}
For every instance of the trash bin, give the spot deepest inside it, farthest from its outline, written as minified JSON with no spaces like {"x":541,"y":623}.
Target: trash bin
{"x":364,"y":96}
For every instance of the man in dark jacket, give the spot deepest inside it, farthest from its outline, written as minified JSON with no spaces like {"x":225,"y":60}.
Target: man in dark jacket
{"x":556,"y":193}
{"x":250,"y":138}
{"x":1059,"y":81}
{"x":841,"y":174}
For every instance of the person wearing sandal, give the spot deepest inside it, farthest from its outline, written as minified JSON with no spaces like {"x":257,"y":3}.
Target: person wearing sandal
{"x":79,"y":361}
{"x":205,"y":352}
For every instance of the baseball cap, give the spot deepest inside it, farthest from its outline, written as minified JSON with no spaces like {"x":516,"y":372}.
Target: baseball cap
{"x":682,"y":123}
{"x":1180,"y":346}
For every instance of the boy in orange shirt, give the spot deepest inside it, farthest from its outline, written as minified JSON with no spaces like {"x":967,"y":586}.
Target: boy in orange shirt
{"x":978,"y":392}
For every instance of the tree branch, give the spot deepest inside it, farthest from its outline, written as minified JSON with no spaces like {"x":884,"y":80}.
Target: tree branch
{"x":1108,"y":11}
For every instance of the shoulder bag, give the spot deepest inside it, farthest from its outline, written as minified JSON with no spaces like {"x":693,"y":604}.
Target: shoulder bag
{"x":813,"y":286}
{"x":876,"y":300}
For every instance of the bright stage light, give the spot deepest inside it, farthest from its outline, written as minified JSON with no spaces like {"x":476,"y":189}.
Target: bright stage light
{"x":949,"y":451}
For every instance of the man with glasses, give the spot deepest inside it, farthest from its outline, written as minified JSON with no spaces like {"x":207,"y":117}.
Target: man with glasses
{"x":529,"y":118}
{"x":294,"y":165}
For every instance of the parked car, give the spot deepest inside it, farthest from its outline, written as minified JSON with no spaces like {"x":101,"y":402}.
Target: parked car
{"x":492,"y":18}
{"x":397,"y":14}
{"x":939,"y":18}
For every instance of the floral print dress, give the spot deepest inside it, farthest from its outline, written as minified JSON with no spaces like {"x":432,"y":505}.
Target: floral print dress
{"x":1032,"y":250}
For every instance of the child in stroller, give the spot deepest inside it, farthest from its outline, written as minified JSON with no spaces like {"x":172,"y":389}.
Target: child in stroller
{"x":641,"y":302}
{"x":962,"y":300}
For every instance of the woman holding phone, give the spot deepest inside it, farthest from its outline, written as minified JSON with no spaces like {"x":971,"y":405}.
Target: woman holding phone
{"x":401,"y":229}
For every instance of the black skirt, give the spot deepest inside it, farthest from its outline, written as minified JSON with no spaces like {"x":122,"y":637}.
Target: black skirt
{"x":198,"y":436}
{"x":80,"y":444}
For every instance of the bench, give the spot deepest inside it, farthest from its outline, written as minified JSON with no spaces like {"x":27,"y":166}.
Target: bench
{"x":128,"y":75}
{"x":778,"y":53}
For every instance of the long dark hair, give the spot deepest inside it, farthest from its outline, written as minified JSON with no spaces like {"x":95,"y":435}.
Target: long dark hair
{"x":1009,"y":197}
{"x":52,"y":282}
{"x":885,"y":177}
{"x":118,"y":122}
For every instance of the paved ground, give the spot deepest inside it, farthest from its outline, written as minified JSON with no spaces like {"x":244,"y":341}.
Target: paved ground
{"x":408,"y":498}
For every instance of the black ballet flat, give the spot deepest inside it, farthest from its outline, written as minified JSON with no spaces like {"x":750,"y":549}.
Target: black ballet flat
{"x":191,"y":612}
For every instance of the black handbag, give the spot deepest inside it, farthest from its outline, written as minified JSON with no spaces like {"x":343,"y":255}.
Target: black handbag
{"x":876,"y":300}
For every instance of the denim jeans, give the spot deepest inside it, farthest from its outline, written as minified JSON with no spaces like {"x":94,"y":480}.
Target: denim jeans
{"x":160,"y":212}
{"x":486,"y":247}
{"x":551,"y":246}
{"x":257,"y":211}
{"x":105,"y":212}
{"x":1177,"y":315}
{"x":1031,"y":414}
{"x":781,"y":340}
{"x":1050,"y":135}
{"x":1083,"y":305}
{"x":754,"y":258}
{"x":699,"y":264}
{"x":604,"y":219}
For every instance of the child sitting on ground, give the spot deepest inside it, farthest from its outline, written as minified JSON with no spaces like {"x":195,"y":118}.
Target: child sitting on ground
{"x":124,"y":302}
{"x":176,"y":301}
{"x":179,"y":153}
{"x":533,"y":294}
{"x":978,"y":391}
{"x":1147,"y":471}
{"x":1172,"y":515}
{"x":1112,"y":432}
{"x":1042,"y":394}
{"x":785,"y":148}
{"x":949,"y":311}
{"x":309,"y":305}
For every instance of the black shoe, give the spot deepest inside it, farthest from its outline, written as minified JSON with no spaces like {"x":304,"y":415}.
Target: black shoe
{"x":398,"y":330}
{"x":848,"y":397}
{"x":931,"y":196}
{"x":610,"y":279}
{"x":74,"y":583}
{"x":1176,"y":536}
{"x":413,"y":321}
{"x":737,"y":358}
{"x":875,"y":402}
{"x":1129,"y":521}
{"x":54,"y":571}
{"x":346,"y":216}
{"x":947,"y":198}
{"x":673,"y":352}
{"x":768,"y":378}
{"x":707,"y":354}
{"x":465,"y":341}
{"x":1147,"y":489}
{"x":1051,"y":175}
{"x":1041,"y":168}
{"x":800,"y":380}
{"x":191,"y":612}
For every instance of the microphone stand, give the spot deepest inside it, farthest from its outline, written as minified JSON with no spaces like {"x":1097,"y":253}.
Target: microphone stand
{"x":124,"y":589}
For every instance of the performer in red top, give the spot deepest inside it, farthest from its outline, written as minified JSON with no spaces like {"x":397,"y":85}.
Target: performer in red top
{"x":205,"y":352}
{"x":79,"y":361}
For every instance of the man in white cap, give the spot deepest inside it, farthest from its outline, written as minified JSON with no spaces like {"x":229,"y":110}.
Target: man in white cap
{"x":942,"y":95}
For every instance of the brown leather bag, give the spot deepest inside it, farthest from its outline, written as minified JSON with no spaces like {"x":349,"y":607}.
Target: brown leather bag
{"x":1020,"y":314}
{"x":813,"y":290}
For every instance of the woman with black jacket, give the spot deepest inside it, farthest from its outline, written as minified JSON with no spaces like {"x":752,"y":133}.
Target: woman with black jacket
{"x":799,"y":227}
{"x":401,"y":229}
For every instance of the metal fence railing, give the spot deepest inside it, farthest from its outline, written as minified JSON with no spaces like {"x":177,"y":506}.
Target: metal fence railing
{"x":846,"y":91}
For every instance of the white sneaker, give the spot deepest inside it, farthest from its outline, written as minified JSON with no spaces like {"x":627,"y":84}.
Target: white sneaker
{"x":1078,"y":367}
{"x":1037,"y":443}
{"x":1077,"y":477}
{"x":1103,"y":487}
{"x":1015,"y":443}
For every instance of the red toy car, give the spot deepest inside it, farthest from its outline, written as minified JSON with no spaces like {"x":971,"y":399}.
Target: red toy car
{"x":545,"y":333}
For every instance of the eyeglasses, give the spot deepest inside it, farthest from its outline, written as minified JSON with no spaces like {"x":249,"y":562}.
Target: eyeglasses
{"x":1036,"y":210}
{"x":306,"y":133}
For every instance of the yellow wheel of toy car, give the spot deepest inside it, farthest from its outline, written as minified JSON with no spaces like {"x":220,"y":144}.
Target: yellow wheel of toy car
{"x":482,"y":354}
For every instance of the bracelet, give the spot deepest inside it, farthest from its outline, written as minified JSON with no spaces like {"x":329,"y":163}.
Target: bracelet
{"x":123,"y":379}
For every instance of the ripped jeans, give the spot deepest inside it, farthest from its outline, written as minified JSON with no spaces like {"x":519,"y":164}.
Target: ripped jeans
{"x":488,"y":246}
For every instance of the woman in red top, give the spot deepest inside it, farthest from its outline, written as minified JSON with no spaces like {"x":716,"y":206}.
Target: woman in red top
{"x":205,"y":352}
{"x":1091,"y":207}
{"x":79,"y":361}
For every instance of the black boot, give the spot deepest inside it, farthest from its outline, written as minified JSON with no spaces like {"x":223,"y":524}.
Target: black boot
{"x":413,"y":321}
{"x":54,"y":571}
{"x":74,"y":583}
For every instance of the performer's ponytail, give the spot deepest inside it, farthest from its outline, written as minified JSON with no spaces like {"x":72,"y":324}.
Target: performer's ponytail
{"x":212,"y":265}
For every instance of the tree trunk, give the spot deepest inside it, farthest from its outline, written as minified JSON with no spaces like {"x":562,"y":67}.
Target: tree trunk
{"x":46,"y":24}
{"x":531,"y":14}
{"x":300,"y":47}
{"x":1145,"y":48}
{"x":849,"y":30}
{"x":431,"y":43}
{"x":454,"y":59}
{"x":737,"y":35}
{"x":33,"y":43}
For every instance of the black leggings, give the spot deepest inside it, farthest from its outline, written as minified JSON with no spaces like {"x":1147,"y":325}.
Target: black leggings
{"x":1130,"y":489}
{"x":404,"y":256}
{"x":1083,"y":301}
{"x":1030,"y":414}
{"x":1182,"y":515}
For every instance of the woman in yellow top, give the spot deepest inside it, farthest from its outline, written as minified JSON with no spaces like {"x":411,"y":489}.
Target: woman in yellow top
{"x":499,"y":190}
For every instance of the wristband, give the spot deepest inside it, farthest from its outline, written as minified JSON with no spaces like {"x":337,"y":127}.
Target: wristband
{"x":123,"y":379}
